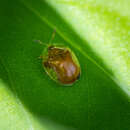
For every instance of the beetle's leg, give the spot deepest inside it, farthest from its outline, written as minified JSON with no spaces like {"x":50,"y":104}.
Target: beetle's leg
{"x":46,"y":64}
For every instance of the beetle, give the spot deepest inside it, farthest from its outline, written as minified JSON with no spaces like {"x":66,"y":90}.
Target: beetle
{"x":60,"y":63}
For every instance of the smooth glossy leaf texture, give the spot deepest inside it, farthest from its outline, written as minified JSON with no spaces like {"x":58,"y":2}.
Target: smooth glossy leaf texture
{"x":97,"y":32}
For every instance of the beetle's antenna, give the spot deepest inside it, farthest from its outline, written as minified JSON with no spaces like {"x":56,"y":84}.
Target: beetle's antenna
{"x":50,"y":41}
{"x":52,"y":37}
{"x":38,"y":41}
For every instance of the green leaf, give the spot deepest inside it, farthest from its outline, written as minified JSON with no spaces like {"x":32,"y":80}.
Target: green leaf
{"x":98,"y":33}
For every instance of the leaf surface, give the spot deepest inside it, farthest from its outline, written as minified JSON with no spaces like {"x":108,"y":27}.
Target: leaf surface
{"x":29,"y":99}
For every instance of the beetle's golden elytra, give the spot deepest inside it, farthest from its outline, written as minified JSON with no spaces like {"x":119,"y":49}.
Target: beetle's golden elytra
{"x":61,"y":64}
